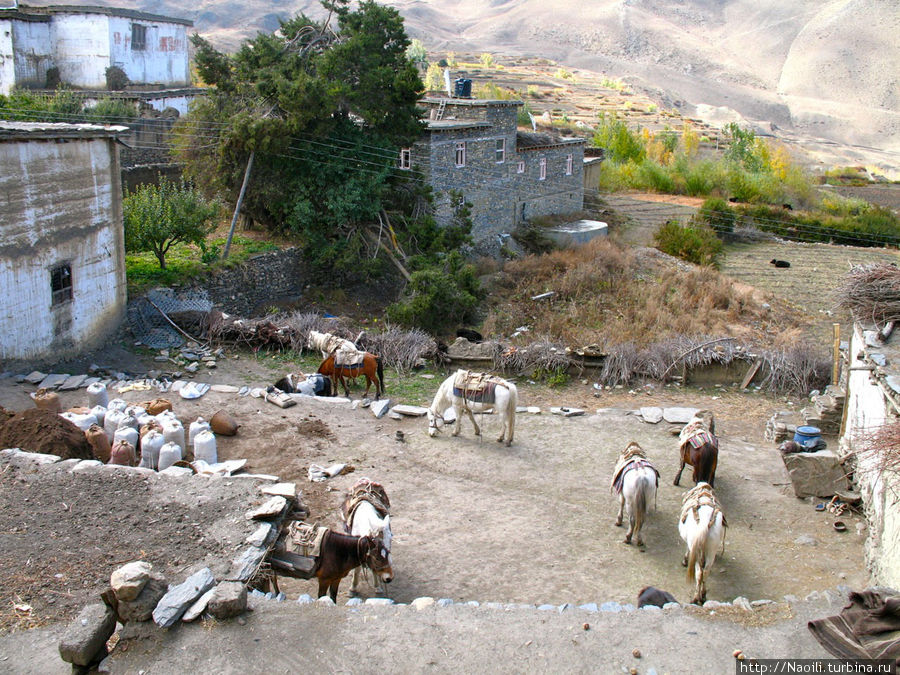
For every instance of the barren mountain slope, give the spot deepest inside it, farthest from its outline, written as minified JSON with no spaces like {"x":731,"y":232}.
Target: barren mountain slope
{"x":813,"y":68}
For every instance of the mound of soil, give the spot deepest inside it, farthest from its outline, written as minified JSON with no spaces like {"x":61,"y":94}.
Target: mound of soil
{"x":37,"y":430}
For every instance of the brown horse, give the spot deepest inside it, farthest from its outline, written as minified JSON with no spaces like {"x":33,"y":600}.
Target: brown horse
{"x":370,"y":367}
{"x":338,"y":555}
{"x":343,"y":552}
{"x":699,"y":447}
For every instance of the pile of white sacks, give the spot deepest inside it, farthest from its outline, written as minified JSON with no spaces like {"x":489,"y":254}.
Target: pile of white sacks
{"x":151,"y":437}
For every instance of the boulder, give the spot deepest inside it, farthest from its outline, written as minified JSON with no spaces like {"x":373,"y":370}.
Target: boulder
{"x":815,"y":474}
{"x":464,"y":350}
{"x":128,"y":581}
{"x":177,"y":600}
{"x":85,"y":638}
{"x":228,"y":599}
{"x":141,"y":608}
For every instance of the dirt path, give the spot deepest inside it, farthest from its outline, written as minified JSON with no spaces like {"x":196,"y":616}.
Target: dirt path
{"x":533,"y":523}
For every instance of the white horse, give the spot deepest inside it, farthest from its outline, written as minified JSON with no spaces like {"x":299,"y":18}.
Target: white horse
{"x":362,"y":518}
{"x":328,"y":343}
{"x":635,"y":481}
{"x":498,"y":394}
{"x":702,"y":527}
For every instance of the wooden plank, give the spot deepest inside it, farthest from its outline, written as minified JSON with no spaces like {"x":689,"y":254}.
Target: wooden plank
{"x":836,"y":355}
{"x":751,"y":373}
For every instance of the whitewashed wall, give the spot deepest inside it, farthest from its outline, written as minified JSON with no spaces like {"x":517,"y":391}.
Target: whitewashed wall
{"x":868,"y":410}
{"x":81,"y":48}
{"x":7,"y":61}
{"x":31,"y":45}
{"x":163,"y":61}
{"x":62,"y":205}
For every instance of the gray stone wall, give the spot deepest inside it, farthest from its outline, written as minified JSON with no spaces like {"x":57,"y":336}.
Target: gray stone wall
{"x":501,"y":197}
{"x":269,"y":279}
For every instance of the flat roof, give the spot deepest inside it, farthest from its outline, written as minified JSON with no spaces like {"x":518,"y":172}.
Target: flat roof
{"x":447,"y":125}
{"x":483,"y":102}
{"x":93,"y":9}
{"x":16,"y":131}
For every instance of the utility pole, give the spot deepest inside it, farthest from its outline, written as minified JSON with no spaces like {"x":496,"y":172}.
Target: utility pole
{"x":237,"y":207}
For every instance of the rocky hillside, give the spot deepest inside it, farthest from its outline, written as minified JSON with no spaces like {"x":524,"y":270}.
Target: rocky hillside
{"x":806,"y":70}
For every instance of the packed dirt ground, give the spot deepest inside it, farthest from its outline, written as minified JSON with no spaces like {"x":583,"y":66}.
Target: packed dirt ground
{"x":473,"y":520}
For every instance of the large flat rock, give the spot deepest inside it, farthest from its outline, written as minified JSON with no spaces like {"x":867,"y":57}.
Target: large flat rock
{"x":815,"y":474}
{"x":679,"y":415}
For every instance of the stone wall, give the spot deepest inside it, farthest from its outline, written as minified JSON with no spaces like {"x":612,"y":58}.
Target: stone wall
{"x":269,"y":279}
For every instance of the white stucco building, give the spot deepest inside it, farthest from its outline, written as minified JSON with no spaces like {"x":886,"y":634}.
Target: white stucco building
{"x":62,"y":254}
{"x":873,"y":401}
{"x":82,"y":42}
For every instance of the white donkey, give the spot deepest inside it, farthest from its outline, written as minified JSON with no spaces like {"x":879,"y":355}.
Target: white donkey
{"x":702,"y":527}
{"x":366,"y":512}
{"x":635,"y":481}
{"x":467,"y":392}
{"x":328,"y":343}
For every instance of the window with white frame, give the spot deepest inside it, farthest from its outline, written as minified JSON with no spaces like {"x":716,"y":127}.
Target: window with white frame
{"x":500,"y":152}
{"x":568,"y":165}
{"x":460,"y":153}
{"x":520,"y":167}
{"x":405,"y":158}
{"x":138,"y":37}
{"x":543,"y":168}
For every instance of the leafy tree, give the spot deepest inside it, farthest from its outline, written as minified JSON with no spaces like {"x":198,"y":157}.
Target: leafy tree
{"x":417,"y":53}
{"x":487,"y":60}
{"x":324,"y":110}
{"x":434,"y":77}
{"x":620,"y":144}
{"x":159,"y":216}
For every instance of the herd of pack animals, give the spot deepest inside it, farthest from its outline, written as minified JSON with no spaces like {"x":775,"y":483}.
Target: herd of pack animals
{"x":366,"y":509}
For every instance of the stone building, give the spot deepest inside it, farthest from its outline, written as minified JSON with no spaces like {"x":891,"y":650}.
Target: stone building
{"x":873,"y":400}
{"x":472,"y":146}
{"x":62,"y":255}
{"x":80,"y":43}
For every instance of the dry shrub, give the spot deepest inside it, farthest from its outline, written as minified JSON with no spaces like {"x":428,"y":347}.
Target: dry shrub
{"x":301,"y":323}
{"x":608,"y":294}
{"x":795,"y":369}
{"x":880,"y":448}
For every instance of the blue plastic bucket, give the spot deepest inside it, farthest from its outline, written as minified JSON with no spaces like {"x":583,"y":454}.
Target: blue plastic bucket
{"x":807,"y":436}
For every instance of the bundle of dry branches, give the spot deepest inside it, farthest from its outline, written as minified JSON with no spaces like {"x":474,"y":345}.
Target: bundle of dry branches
{"x":797,"y":370}
{"x":540,"y":357}
{"x":402,"y":350}
{"x":872,"y":293}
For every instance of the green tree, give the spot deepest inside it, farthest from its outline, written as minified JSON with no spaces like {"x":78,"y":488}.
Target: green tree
{"x":325,"y":111}
{"x":619,"y":143}
{"x":159,"y":216}
{"x":417,"y":53}
{"x":434,"y":78}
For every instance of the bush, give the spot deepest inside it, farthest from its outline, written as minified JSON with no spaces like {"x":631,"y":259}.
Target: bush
{"x":532,"y":238}
{"x":697,"y":244}
{"x":619,"y":143}
{"x":716,"y":213}
{"x":116,"y":79}
{"x":112,"y":110}
{"x":439,"y":297}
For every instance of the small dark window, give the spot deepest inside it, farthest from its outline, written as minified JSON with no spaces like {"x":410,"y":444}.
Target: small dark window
{"x":61,"y":284}
{"x":405,"y":154}
{"x":138,"y":37}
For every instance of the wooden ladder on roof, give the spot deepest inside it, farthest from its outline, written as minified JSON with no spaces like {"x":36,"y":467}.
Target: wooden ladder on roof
{"x":439,"y":115}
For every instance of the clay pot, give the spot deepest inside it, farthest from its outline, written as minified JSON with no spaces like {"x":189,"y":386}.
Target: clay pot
{"x":224,"y":424}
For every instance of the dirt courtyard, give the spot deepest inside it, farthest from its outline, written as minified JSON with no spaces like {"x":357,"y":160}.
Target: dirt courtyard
{"x":534,"y":523}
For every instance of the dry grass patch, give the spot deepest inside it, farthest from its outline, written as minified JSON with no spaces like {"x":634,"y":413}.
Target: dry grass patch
{"x":610,"y":295}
